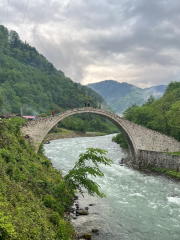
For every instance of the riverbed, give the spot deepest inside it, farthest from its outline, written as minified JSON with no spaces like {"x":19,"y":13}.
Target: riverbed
{"x":137,"y":206}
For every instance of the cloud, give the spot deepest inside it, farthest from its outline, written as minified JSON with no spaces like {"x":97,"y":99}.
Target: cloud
{"x":135,"y":41}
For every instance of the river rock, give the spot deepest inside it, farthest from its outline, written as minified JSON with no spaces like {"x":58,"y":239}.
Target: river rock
{"x":82,"y":212}
{"x":175,"y":196}
{"x":76,"y":197}
{"x":73,"y":216}
{"x":96,"y":231}
{"x":71,"y":209}
{"x":87,"y":236}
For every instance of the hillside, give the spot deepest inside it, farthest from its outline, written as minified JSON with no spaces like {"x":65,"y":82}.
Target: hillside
{"x":30,"y":82}
{"x":122,"y":95}
{"x":161,"y":115}
{"x":33,"y":195}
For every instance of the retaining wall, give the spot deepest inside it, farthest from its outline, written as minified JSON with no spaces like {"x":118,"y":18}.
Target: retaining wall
{"x":158,"y":159}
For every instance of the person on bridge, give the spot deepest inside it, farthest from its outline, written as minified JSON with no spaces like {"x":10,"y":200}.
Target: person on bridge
{"x":85,"y":104}
{"x":88,"y":104}
{"x":53,"y":113}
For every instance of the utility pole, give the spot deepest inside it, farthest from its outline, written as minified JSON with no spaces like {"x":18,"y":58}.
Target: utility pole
{"x":21,"y":111}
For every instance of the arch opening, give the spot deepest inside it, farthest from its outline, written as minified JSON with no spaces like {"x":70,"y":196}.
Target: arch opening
{"x":36,"y":130}
{"x":104,"y":114}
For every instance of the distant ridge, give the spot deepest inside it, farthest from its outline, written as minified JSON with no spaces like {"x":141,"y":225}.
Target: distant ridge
{"x":28,"y":81}
{"x":122,"y":95}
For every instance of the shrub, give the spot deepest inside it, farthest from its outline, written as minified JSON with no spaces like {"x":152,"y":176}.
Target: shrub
{"x":50,"y":202}
{"x":65,"y":231}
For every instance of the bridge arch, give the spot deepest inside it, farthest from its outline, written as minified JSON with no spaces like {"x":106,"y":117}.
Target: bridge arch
{"x":138,"y":137}
{"x":37,"y":130}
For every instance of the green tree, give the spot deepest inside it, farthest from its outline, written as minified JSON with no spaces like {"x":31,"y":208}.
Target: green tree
{"x":120,"y":139}
{"x":1,"y":100}
{"x":151,"y":99}
{"x":129,"y":112}
{"x":161,"y":115}
{"x":77,"y":178}
{"x":14,"y":39}
{"x":172,"y":86}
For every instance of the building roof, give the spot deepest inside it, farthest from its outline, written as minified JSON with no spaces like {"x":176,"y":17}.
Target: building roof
{"x":29,"y":117}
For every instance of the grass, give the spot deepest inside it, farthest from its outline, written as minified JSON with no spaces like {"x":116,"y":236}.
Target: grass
{"x":173,"y":153}
{"x":169,"y":172}
{"x":58,"y":130}
{"x":33,"y":195}
{"x":63,"y":132}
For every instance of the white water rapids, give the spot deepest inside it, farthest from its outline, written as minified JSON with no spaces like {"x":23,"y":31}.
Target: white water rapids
{"x":137,"y":206}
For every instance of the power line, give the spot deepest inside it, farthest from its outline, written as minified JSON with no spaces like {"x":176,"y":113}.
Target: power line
{"x":24,"y":16}
{"x":7,"y":13}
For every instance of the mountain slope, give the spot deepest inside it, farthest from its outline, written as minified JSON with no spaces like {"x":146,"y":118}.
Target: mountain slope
{"x":29,"y":81}
{"x":122,"y":95}
{"x":161,"y":115}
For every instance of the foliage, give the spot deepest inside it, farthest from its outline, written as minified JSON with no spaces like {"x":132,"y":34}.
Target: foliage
{"x":30,"y":82}
{"x":151,"y":99}
{"x":33,"y":195}
{"x":161,"y":115}
{"x":173,"y":153}
{"x":172,"y":86}
{"x":65,"y":230}
{"x":88,"y":122}
{"x":120,"y":139}
{"x":122,"y":95}
{"x":169,"y":172}
{"x":77,"y":178}
{"x":129,"y":112}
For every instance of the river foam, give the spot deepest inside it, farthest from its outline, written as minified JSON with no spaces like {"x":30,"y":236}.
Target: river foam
{"x":137,"y":207}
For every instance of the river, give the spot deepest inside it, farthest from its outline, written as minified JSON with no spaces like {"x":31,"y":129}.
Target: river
{"x":137,"y":206}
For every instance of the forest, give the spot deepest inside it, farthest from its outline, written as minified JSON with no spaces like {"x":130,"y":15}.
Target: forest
{"x":161,"y":115}
{"x":29,"y":81}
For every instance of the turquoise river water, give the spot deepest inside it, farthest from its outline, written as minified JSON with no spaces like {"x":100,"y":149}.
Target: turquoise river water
{"x":137,"y":206}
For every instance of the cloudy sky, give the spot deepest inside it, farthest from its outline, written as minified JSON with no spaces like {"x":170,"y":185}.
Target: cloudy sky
{"x":134,"y":41}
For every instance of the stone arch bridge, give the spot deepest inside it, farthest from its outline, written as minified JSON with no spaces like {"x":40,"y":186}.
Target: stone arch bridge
{"x":138,"y":137}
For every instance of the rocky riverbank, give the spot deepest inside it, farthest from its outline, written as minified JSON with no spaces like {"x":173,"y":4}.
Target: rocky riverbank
{"x":86,"y":215}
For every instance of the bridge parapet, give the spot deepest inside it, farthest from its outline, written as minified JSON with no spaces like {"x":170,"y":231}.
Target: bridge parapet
{"x":138,"y":137}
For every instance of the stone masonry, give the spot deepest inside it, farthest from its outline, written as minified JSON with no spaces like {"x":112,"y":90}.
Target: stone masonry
{"x":158,"y":159}
{"x":138,"y":137}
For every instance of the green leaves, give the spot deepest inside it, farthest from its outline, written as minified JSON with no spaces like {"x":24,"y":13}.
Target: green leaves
{"x":77,"y":178}
{"x":33,"y":195}
{"x":65,"y":231}
{"x":161,"y":115}
{"x":120,"y":139}
{"x":28,"y":80}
